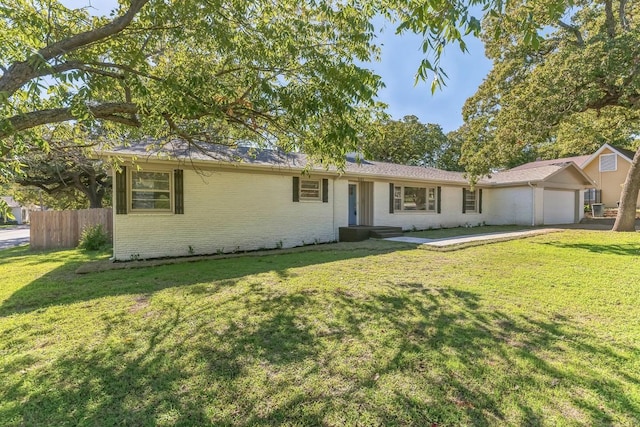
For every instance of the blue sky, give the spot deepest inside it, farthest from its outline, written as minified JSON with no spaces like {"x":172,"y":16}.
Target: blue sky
{"x":401,"y":56}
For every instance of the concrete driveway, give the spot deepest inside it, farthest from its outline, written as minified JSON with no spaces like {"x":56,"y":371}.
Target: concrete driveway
{"x":14,"y":236}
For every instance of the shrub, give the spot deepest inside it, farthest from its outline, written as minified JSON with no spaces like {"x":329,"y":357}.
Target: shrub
{"x":93,"y":238}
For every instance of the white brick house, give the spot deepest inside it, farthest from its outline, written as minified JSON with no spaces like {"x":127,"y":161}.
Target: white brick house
{"x":227,"y":200}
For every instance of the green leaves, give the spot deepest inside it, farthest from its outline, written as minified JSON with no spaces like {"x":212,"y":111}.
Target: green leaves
{"x":565,"y":93}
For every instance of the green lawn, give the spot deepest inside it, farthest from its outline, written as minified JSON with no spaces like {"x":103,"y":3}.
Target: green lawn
{"x":539,"y":331}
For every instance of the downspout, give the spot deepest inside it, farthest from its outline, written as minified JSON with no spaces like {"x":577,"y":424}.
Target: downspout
{"x":533,"y":203}
{"x":333,"y":208}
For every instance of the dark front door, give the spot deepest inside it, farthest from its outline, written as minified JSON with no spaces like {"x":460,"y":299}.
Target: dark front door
{"x":353,"y":204}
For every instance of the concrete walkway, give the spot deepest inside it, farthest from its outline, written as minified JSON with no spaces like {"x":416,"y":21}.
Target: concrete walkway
{"x":461,"y":240}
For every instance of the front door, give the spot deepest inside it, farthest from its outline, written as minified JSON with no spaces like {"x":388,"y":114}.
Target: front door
{"x":353,"y":204}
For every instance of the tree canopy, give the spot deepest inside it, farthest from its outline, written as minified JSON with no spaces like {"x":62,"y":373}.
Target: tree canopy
{"x":406,"y":141}
{"x":68,"y":174}
{"x":564,"y":93}
{"x":285,"y":73}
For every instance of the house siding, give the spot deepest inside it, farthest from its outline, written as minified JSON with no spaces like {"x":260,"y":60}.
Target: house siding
{"x":451,"y":209}
{"x":609,"y":182}
{"x":227,"y":212}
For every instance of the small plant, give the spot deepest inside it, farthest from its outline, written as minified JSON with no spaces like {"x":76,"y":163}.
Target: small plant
{"x":191,"y":250}
{"x":279,"y":244}
{"x":134,"y":257}
{"x":219,"y":251}
{"x":414,"y":228}
{"x":587,"y":208}
{"x":93,"y":238}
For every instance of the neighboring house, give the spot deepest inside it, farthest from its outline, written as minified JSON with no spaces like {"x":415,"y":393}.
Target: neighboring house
{"x":227,"y":200}
{"x":20,"y":213}
{"x":607,"y":167}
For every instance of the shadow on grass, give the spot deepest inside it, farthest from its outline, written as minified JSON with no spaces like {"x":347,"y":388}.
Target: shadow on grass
{"x":403,"y":355}
{"x":63,"y":286}
{"x":612,"y":249}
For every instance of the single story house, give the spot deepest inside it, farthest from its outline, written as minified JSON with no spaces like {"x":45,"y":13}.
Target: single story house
{"x":607,"y":168}
{"x":183,"y":201}
{"x":20,"y":213}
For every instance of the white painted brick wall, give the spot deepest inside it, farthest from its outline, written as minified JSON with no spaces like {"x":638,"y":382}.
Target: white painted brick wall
{"x":451,"y":213}
{"x":229,"y":211}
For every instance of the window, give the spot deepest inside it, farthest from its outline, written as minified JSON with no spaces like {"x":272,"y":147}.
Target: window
{"x":151,"y":191}
{"x":397,"y":198}
{"x":309,"y":189}
{"x":608,"y":162}
{"x":469,"y":201}
{"x":414,"y":199}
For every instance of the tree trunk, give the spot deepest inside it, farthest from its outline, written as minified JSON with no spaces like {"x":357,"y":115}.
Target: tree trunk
{"x":626,"y":219}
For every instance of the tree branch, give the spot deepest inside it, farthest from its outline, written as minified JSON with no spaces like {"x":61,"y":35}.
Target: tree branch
{"x":574,"y":30}
{"x":107,"y":111}
{"x":622,"y":15}
{"x":20,"y":73}
{"x":610,"y":22}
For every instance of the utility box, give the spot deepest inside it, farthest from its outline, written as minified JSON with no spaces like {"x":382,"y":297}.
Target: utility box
{"x":597,"y":210}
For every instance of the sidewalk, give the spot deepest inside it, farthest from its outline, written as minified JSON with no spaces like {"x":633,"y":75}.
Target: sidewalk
{"x":482,"y":238}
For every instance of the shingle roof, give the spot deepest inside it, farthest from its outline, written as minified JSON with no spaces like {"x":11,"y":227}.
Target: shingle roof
{"x":276,"y":159}
{"x":578,"y":160}
{"x":627,"y":153}
{"x":539,"y":173}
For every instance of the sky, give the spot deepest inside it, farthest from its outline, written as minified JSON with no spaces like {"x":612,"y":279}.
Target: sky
{"x":400,"y":58}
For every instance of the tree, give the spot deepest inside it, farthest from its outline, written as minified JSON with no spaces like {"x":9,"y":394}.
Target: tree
{"x":583,"y":75}
{"x":406,"y":141}
{"x":281,"y":73}
{"x":68,"y":174}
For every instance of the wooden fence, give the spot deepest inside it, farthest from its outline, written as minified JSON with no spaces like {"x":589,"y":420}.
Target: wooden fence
{"x":62,"y":229}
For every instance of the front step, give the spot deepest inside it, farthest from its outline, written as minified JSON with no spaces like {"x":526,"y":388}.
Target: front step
{"x":363,"y":232}
{"x":386,"y":232}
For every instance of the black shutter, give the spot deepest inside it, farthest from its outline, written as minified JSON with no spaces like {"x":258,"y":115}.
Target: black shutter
{"x":296,"y":189}
{"x":121,"y":191}
{"x":390,"y":198}
{"x":439,"y":199}
{"x":325,"y":190}
{"x":178,"y":191}
{"x":464,"y":194}
{"x":480,"y":200}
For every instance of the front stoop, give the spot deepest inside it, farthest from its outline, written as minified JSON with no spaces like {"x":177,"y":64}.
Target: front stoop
{"x":359,"y":233}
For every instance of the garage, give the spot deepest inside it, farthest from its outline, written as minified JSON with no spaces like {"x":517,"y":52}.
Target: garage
{"x":559,"y":206}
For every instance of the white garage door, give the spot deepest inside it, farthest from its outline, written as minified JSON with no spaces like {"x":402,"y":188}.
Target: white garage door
{"x":559,"y":207}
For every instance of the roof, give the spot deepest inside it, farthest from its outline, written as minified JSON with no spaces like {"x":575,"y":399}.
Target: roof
{"x":274,"y":159}
{"x":534,"y":174}
{"x":10,"y":201}
{"x":625,"y":154}
{"x":249,"y":156}
{"x":578,"y":160}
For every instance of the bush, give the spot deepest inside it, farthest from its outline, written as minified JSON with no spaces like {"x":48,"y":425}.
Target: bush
{"x":93,"y":238}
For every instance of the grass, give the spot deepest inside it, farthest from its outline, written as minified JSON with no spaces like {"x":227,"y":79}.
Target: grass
{"x":542,"y":331}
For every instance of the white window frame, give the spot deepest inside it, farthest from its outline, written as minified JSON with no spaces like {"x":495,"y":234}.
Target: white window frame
{"x":467,"y":199}
{"x":307,"y":198}
{"x":132,"y":191}
{"x":399,"y":202}
{"x":615,"y":162}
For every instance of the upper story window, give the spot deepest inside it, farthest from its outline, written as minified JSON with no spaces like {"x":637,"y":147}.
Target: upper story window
{"x":608,"y":162}
{"x":150,"y":191}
